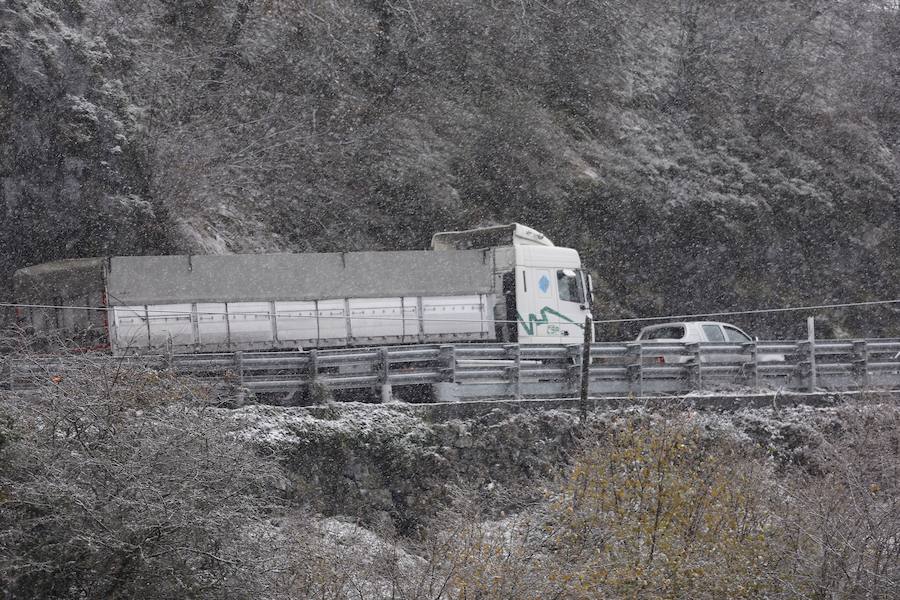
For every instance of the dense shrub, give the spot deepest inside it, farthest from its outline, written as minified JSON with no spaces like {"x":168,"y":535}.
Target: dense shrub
{"x":663,"y":508}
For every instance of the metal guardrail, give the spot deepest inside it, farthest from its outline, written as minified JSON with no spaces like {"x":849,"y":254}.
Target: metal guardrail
{"x":516,"y":371}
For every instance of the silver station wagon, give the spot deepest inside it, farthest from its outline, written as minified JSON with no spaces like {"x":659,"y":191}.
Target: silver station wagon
{"x":694,"y":332}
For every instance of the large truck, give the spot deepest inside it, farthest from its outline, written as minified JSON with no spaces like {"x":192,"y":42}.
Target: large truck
{"x":506,"y":283}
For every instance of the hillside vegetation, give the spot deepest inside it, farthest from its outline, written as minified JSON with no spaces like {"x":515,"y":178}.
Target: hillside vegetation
{"x":702,"y":155}
{"x":120,"y":482}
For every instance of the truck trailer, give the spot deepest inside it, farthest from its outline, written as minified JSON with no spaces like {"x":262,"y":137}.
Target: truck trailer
{"x":505,"y":283}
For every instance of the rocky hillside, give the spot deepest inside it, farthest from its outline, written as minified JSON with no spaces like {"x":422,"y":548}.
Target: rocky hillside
{"x":118,"y":482}
{"x":701,"y":156}
{"x":394,"y":467}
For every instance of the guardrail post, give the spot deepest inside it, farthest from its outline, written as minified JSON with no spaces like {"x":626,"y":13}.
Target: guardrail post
{"x":387,"y":392}
{"x":573,"y":367}
{"x":861,"y":362}
{"x":751,"y":367}
{"x":168,"y":351}
{"x":313,"y":367}
{"x":803,"y":365}
{"x":635,"y":370}
{"x":696,"y":367}
{"x":514,"y":373}
{"x":447,"y":360}
{"x":239,"y":366}
{"x":518,"y":372}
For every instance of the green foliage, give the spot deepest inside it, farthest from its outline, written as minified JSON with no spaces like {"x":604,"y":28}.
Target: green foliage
{"x":656,"y":513}
{"x":662,"y":508}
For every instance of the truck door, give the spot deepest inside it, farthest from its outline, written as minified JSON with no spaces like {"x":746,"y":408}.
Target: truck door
{"x":537,"y":305}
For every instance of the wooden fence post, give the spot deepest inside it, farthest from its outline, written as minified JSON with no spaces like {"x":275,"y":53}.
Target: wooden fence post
{"x":585,"y":367}
{"x":811,"y":329}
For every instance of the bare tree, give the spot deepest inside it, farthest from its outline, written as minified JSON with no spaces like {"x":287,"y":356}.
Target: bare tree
{"x":841,"y":515}
{"x":124,"y":482}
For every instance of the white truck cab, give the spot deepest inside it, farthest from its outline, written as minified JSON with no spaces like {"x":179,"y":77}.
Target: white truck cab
{"x":552,"y":295}
{"x":545,"y":291}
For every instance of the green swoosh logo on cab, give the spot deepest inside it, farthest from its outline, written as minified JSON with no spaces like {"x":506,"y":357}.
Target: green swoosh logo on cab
{"x":544,"y":319}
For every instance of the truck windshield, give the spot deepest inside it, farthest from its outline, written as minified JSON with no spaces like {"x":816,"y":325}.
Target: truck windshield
{"x":571,"y":288}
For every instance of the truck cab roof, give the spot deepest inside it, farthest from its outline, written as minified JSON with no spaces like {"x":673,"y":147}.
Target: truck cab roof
{"x":513,"y":234}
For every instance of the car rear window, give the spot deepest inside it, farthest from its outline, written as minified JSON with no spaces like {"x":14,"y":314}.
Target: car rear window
{"x":670,"y":332}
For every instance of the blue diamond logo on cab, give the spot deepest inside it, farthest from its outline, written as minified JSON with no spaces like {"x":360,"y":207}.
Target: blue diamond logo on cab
{"x":544,"y":284}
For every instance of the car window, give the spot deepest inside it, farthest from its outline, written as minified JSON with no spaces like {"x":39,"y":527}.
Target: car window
{"x":713,"y":333}
{"x":735,"y":335}
{"x":571,"y":288}
{"x":671,"y":332}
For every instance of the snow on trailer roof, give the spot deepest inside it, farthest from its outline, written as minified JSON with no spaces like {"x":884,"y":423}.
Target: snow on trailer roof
{"x":138,"y":280}
{"x":67,"y":278}
{"x":513,"y":234}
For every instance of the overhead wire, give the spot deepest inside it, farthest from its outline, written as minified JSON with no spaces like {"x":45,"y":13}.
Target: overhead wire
{"x":751,"y":312}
